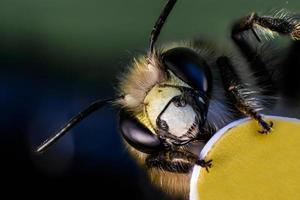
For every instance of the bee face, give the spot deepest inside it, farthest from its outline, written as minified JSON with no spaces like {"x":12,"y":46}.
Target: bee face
{"x":162,"y":103}
{"x":174,"y":108}
{"x":157,"y":100}
{"x":181,"y":125}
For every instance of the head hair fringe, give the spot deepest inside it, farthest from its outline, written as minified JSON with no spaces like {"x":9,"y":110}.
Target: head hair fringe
{"x":138,"y":80}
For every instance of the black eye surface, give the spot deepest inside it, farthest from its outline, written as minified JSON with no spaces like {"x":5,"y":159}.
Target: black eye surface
{"x":138,"y":136}
{"x":189,"y":67}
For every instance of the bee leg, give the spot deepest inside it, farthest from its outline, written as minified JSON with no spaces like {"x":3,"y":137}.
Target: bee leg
{"x":239,"y":94}
{"x":282,"y":23}
{"x":249,"y":51}
{"x":176,"y":161}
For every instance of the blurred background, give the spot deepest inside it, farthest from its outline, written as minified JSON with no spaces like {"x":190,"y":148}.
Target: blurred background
{"x":56,"y":57}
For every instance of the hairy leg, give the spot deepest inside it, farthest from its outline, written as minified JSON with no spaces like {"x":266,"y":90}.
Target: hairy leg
{"x":281,"y":23}
{"x":284,"y":24}
{"x":176,"y":161}
{"x":242,"y":97}
{"x":253,"y":57}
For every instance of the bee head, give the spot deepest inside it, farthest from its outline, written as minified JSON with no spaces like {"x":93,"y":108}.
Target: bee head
{"x":174,"y":107}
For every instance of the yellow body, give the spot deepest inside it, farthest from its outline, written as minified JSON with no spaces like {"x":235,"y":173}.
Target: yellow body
{"x":248,"y":165}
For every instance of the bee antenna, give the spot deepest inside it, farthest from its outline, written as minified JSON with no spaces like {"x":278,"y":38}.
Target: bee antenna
{"x":75,"y":120}
{"x":159,"y":24}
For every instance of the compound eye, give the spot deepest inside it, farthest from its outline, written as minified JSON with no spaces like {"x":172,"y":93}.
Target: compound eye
{"x":139,"y":136}
{"x":186,"y":64}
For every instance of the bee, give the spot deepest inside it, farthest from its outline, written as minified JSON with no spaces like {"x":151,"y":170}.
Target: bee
{"x":173,"y":99}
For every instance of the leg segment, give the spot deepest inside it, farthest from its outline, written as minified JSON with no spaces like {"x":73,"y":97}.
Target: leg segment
{"x":264,"y":78}
{"x":284,"y":24}
{"x":176,"y":161}
{"x":238,"y":93}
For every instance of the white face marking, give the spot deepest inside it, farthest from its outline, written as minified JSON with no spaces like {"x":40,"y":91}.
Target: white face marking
{"x":179,"y":119}
{"x":156,"y":101}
